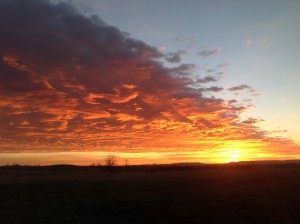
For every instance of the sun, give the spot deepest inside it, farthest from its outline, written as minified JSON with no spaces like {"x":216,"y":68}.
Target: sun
{"x":231,"y":155}
{"x":235,"y":155}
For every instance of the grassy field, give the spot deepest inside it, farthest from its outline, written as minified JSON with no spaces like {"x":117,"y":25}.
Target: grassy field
{"x":214,"y":194}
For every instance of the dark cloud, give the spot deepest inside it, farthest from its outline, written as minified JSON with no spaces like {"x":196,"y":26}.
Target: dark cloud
{"x":240,"y":87}
{"x":207,"y":53}
{"x":251,"y":121}
{"x":214,"y":89}
{"x":211,"y":89}
{"x":232,"y":101}
{"x":183,"y":70}
{"x":207,"y":79}
{"x":175,"y":57}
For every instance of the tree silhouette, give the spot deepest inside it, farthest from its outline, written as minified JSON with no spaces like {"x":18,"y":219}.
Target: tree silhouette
{"x":110,"y":160}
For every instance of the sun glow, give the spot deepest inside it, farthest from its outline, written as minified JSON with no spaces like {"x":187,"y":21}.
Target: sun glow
{"x":235,"y":155}
{"x":231,"y":155}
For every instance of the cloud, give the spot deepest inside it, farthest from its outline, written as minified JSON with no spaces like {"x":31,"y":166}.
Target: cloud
{"x":239,"y":88}
{"x":256,"y":92}
{"x":207,"y":79}
{"x":222,"y":65}
{"x":251,"y":121}
{"x":211,"y":89}
{"x":214,"y":89}
{"x":187,"y":41}
{"x":74,"y":83}
{"x":175,"y":57}
{"x":208,"y":53}
{"x":183,"y":70}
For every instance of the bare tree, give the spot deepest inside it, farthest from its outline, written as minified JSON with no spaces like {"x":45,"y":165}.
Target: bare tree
{"x":110,"y":160}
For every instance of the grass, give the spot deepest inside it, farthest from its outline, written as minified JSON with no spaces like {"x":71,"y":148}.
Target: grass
{"x":218,"y":194}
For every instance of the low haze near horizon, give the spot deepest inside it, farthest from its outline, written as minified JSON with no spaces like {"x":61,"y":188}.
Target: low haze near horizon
{"x":152,"y":82}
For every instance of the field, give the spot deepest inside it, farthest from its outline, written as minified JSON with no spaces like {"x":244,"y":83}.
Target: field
{"x":207,"y":194}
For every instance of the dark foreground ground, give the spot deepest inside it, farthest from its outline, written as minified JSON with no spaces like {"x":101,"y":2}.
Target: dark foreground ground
{"x":215,"y":194}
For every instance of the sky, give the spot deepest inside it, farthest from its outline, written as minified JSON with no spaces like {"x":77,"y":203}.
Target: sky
{"x":149,"y":81}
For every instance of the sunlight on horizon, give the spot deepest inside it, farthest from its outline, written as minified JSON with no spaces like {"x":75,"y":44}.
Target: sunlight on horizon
{"x":232,"y":155}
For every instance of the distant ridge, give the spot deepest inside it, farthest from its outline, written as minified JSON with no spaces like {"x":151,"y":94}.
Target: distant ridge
{"x":270,"y":162}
